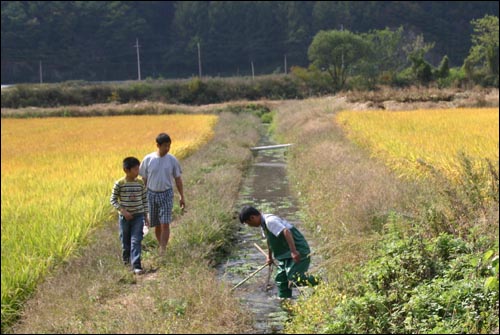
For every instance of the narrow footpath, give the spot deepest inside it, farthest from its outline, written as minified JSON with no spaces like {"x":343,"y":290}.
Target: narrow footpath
{"x":266,"y":188}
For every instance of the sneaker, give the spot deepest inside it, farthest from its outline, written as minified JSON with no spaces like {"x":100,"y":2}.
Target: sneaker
{"x":279,"y":299}
{"x":138,"y":271}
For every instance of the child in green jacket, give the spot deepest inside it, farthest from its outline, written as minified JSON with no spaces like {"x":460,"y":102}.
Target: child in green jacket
{"x":287,"y":245}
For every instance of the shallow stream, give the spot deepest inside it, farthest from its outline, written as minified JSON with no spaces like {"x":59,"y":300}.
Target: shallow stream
{"x":266,"y":188}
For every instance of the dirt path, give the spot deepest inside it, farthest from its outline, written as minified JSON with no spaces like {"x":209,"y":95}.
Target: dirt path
{"x":266,"y":188}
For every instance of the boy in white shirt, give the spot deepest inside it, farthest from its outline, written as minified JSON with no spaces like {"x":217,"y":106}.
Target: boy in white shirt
{"x":286,"y":244}
{"x":159,"y":170}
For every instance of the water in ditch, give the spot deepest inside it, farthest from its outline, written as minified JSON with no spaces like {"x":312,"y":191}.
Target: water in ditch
{"x":266,"y":188}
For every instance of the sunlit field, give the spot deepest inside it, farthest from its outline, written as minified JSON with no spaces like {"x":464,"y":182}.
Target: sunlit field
{"x":409,"y":140}
{"x":57,"y":175}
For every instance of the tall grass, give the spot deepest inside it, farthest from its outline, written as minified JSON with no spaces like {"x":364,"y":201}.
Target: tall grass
{"x":401,"y":255}
{"x":57,"y":175}
{"x":343,"y":195}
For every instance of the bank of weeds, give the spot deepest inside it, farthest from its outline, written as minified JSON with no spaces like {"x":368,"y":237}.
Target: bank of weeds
{"x":94,"y":293}
{"x":400,"y":256}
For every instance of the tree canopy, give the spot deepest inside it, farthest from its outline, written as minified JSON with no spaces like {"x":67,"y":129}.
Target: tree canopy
{"x":338,"y":52}
{"x":483,"y":56}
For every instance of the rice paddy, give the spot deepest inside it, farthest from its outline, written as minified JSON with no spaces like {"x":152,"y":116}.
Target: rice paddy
{"x":435,"y":137}
{"x":57,"y":175}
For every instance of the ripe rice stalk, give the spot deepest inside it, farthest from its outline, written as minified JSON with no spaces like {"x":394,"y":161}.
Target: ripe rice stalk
{"x":57,"y":175}
{"x":437,"y":137}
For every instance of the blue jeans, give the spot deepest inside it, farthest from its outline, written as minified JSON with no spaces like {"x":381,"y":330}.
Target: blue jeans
{"x":131,"y":236}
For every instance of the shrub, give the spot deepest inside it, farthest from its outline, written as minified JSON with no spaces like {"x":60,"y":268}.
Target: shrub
{"x":455,"y":78}
{"x":418,"y":285}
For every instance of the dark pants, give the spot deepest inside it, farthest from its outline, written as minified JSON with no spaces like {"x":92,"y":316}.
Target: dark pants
{"x":289,"y":271}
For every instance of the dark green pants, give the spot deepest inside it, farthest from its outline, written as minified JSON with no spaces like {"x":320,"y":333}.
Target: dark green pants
{"x":289,"y":271}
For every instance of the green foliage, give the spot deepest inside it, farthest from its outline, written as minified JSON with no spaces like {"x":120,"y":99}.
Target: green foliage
{"x":441,"y":285}
{"x":312,"y":80}
{"x":94,"y":41}
{"x":338,"y":53}
{"x":404,"y":78}
{"x":194,"y":91}
{"x":267,"y":118}
{"x":436,"y":272}
{"x":481,"y":65}
{"x":389,"y":54}
{"x":455,"y":78}
{"x":133,"y":92}
{"x":388,"y":49}
{"x":460,"y":205}
{"x":421,"y":69}
{"x":444,"y":68}
{"x":171,"y":307}
{"x":491,"y":282}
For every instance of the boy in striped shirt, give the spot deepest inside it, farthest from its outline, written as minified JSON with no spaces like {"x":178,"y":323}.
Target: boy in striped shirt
{"x":129,"y":197}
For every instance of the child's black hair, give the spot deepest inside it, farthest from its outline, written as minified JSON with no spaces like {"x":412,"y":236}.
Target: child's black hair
{"x":246,"y":212}
{"x":130,"y":162}
{"x":163,"y":138}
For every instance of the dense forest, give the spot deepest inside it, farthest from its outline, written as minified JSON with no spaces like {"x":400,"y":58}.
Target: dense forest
{"x":102,"y":41}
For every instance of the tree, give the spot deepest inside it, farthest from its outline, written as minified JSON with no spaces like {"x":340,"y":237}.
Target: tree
{"x":388,"y":53}
{"x":296,"y":16}
{"x":482,"y":62}
{"x":190,"y":26}
{"x":338,"y":53}
{"x":420,"y":68}
{"x":444,"y":68}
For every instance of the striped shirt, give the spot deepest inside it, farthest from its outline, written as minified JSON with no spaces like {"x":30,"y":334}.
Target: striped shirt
{"x":130,"y":195}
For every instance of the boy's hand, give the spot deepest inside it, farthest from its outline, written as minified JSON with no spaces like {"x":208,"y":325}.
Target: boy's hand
{"x":146,"y":220}
{"x":127,"y":215}
{"x":295,"y":256}
{"x":269,"y":260}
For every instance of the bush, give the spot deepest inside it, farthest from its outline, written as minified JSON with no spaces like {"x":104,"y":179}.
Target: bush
{"x":455,"y":78}
{"x":312,"y":81}
{"x":194,"y":91}
{"x":404,"y":78}
{"x":419,"y":285}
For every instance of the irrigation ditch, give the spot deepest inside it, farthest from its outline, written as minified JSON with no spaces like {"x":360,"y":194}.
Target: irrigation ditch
{"x":266,"y":188}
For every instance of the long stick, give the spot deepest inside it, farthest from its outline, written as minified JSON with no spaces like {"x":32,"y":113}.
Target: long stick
{"x":249,"y":276}
{"x":260,"y":249}
{"x":263,"y":252}
{"x":270,"y":265}
{"x":268,"y":287}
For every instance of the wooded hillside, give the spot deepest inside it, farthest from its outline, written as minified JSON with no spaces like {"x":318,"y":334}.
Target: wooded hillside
{"x":87,"y":40}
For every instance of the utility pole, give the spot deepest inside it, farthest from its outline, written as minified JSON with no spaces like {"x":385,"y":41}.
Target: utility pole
{"x":285,"y":65}
{"x":342,"y":29}
{"x":40,"y":71}
{"x":138,"y":59}
{"x":199,"y":60}
{"x":253,"y":74}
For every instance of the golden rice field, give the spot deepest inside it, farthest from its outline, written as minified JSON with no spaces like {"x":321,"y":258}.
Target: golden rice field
{"x":57,"y":175}
{"x":436,"y":136}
